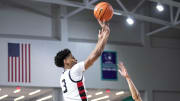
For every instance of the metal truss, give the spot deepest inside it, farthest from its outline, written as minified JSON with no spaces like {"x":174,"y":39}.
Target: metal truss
{"x":88,"y":5}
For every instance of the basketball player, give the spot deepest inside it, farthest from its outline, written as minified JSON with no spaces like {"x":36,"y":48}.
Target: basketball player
{"x":72,"y":80}
{"x":135,"y":94}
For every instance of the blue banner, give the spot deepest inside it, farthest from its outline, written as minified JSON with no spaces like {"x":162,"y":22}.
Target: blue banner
{"x":109,"y":65}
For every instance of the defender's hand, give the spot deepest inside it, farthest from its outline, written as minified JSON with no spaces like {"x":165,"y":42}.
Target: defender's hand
{"x":122,"y":70}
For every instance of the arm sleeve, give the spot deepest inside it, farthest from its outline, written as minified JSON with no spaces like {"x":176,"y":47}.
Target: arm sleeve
{"x":76,"y":72}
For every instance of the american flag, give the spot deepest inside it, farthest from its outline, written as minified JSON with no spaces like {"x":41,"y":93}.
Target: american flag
{"x":19,"y":62}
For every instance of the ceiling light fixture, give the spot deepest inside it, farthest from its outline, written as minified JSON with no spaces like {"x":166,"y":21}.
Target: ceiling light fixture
{"x":89,"y":96}
{"x":99,"y":93}
{"x":160,"y":7}
{"x":19,"y":98}
{"x":130,"y":21}
{"x":34,"y":92}
{"x":2,"y":97}
{"x":120,"y":93}
{"x":17,"y":90}
{"x":45,"y":98}
{"x":100,"y":98}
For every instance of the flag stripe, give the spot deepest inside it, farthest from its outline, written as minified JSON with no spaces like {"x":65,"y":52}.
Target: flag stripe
{"x":15,"y":70}
{"x":25,"y":62}
{"x":19,"y":68}
{"x":22,"y":64}
{"x":8,"y":70}
{"x":11,"y":69}
{"x":29,"y":64}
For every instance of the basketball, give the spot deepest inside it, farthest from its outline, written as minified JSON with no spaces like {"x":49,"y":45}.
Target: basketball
{"x":103,"y":11}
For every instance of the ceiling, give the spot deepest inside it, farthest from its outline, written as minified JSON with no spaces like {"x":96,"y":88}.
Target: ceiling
{"x":141,"y":10}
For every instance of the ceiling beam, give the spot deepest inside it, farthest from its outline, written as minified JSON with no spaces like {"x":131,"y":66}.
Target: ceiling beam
{"x":158,"y":30}
{"x":177,"y":15}
{"x":162,"y":29}
{"x":121,"y":5}
{"x":80,"y":9}
{"x":63,"y":2}
{"x":117,"y":12}
{"x":144,"y":18}
{"x":85,"y":1}
{"x":138,"y":5}
{"x":171,"y":14}
{"x":70,"y":3}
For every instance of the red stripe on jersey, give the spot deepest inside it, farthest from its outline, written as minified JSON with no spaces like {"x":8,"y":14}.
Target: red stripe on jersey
{"x":83,"y":97}
{"x":81,"y":90}
{"x":80,"y":84}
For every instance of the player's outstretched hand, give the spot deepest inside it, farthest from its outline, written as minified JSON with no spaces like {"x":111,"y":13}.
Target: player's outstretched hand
{"x":105,"y":30}
{"x":122,"y":70}
{"x":101,"y":23}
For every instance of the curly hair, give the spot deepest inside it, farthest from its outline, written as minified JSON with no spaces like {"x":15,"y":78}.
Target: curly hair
{"x":60,"y":56}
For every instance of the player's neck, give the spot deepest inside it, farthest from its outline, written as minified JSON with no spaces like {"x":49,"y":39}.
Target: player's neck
{"x":67,"y":67}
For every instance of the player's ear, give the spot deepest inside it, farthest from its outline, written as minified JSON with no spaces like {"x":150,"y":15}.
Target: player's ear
{"x":65,"y":61}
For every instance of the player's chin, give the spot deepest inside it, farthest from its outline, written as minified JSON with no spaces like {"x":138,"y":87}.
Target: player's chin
{"x":74,"y":63}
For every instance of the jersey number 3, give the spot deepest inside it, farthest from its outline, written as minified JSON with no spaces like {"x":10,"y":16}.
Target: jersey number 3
{"x":65,"y":90}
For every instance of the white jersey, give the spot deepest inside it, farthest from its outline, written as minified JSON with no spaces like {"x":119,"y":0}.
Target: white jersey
{"x":72,"y":83}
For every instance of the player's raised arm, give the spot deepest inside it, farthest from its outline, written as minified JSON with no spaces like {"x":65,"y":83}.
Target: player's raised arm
{"x":102,"y":40}
{"x":135,"y":94}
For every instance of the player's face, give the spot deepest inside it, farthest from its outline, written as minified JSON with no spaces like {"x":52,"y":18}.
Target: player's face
{"x":70,"y":60}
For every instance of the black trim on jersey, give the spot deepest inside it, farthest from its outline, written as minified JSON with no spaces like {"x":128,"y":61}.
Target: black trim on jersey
{"x":82,"y":94}
{"x":73,"y":80}
{"x":81,"y":88}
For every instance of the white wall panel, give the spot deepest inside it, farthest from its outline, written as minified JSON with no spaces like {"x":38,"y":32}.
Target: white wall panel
{"x":21,"y":22}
